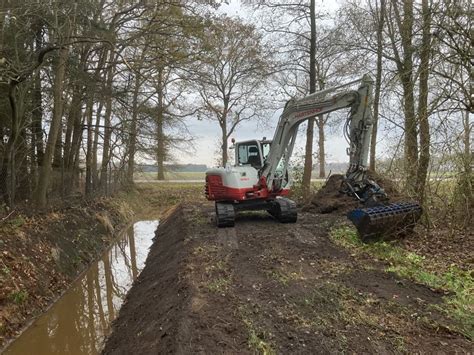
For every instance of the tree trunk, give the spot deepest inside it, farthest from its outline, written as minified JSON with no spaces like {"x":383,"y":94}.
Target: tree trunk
{"x":75,"y":149}
{"x":133,"y":131}
{"x":69,"y":126}
{"x":9,"y":168}
{"x":37,"y":112}
{"x":467,"y":143}
{"x":225,"y":146}
{"x":22,"y":168}
{"x":322,"y":154}
{"x":89,"y":113}
{"x":107,"y":125}
{"x":378,"y":83}
{"x":467,"y":178}
{"x":58,"y":146}
{"x":95,"y":139}
{"x":45,"y":172}
{"x":95,"y":146}
{"x":73,"y":126}
{"x":308,"y":158}
{"x":3,"y":171}
{"x":37,"y":119}
{"x":406,"y":77}
{"x":160,"y":137}
{"x":424,"y":158}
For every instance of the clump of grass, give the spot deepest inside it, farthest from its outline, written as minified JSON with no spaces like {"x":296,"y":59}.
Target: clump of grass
{"x":284,"y":277}
{"x":6,"y":271}
{"x":278,"y":276}
{"x":259,"y":344}
{"x":19,"y":297}
{"x":410,"y":265}
{"x":16,"y":222}
{"x":257,"y":339}
{"x":218,"y":285}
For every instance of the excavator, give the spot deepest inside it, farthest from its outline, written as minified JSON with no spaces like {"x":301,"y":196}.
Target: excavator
{"x":260,"y":179}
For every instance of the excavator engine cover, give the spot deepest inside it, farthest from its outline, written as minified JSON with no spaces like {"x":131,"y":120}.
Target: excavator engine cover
{"x":382,"y":221}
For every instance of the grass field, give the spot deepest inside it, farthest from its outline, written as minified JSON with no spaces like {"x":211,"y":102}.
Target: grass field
{"x":171,"y":175}
{"x":175,"y":175}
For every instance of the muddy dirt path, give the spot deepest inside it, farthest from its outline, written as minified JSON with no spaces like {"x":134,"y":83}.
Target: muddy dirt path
{"x":271,"y":288}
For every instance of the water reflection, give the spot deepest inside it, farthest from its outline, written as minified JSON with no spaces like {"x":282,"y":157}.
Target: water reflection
{"x":79,"y":321}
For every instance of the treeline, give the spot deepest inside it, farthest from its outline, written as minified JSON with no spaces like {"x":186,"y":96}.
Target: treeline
{"x":420,"y":55}
{"x":77,"y":78}
{"x":89,"y":87}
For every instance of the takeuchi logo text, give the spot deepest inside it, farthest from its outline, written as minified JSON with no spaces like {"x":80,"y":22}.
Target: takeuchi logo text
{"x":309,"y":112}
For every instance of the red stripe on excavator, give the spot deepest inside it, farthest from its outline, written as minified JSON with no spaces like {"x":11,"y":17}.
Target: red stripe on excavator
{"x":244,"y":194}
{"x":216,"y":191}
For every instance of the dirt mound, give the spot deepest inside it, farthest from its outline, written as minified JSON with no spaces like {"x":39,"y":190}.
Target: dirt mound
{"x":388,"y":185}
{"x":329,"y":199}
{"x":138,"y":316}
{"x":164,"y":311}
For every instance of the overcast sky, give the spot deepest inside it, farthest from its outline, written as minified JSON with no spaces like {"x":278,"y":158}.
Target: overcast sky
{"x":207,"y":133}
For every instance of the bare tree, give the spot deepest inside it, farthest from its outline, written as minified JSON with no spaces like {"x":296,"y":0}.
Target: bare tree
{"x":230,"y":75}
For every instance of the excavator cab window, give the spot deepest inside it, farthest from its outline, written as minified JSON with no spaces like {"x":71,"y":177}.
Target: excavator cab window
{"x":249,"y":154}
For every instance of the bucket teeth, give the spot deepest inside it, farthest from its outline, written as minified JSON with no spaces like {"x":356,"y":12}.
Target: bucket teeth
{"x":386,"y":220}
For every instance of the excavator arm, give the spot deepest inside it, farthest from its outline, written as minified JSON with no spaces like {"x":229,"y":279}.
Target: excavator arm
{"x":358,"y":127}
{"x":376,"y":217}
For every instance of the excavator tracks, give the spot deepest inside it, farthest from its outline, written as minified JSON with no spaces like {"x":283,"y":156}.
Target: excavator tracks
{"x":225,"y":214}
{"x":284,"y":210}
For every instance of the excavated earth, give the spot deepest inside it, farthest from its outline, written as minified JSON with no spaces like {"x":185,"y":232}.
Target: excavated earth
{"x":266,"y":287}
{"x":329,"y":199}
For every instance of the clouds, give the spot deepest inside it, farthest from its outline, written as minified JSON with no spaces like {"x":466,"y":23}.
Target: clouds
{"x":207,"y":138}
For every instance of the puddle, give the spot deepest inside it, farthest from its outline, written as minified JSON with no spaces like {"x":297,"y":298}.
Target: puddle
{"x":79,"y":321}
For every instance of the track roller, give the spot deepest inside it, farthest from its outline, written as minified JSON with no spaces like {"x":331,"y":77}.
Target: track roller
{"x":225,"y":214}
{"x":284,"y":210}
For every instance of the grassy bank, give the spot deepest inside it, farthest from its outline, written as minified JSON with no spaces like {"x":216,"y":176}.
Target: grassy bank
{"x":457,"y":283}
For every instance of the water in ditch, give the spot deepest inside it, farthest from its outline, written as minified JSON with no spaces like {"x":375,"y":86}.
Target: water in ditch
{"x":80,"y":320}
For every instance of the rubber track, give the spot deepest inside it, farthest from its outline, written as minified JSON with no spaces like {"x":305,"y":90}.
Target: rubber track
{"x":225,"y":214}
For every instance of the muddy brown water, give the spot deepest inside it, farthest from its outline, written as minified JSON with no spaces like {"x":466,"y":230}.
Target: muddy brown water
{"x":80,"y":320}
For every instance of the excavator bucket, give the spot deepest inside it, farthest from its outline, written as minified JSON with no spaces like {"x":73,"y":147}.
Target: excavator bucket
{"x":384,"y":221}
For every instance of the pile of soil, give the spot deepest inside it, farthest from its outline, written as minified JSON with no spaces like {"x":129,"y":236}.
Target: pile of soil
{"x":164,"y":312}
{"x":330,"y":199}
{"x":267,"y":287}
